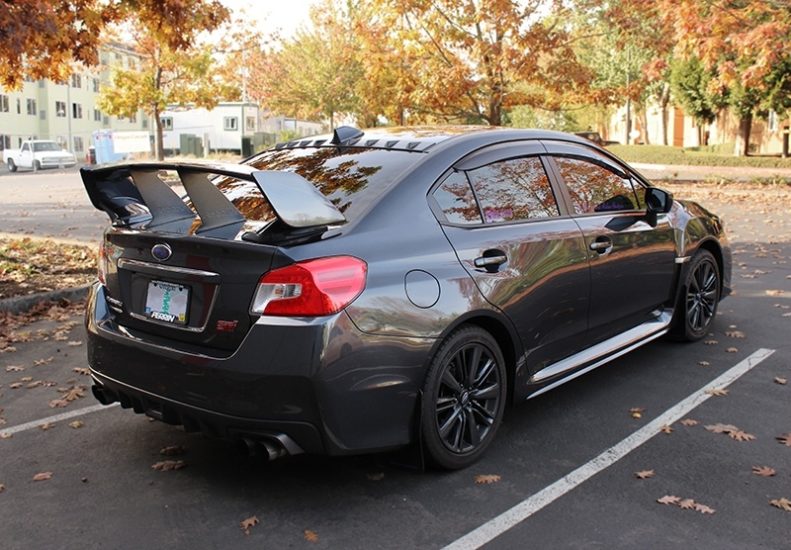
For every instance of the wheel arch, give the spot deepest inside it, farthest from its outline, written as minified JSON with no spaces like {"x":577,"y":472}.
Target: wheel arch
{"x":714,"y":247}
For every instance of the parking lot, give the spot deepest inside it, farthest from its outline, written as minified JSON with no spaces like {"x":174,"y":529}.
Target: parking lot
{"x":104,"y":493}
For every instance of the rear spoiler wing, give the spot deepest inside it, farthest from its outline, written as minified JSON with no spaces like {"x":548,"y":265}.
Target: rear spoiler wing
{"x":134,"y":192}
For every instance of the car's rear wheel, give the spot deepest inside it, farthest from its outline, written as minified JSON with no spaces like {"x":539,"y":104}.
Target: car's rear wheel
{"x":697,"y":307}
{"x":464,"y":398}
{"x":11,"y":165}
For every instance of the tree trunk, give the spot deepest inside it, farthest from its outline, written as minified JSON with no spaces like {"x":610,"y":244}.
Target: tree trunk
{"x":159,"y":145}
{"x":743,"y":143}
{"x":644,"y":122}
{"x":664,"y":101}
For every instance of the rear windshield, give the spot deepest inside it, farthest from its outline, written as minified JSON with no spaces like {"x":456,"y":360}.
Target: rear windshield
{"x":351,"y":178}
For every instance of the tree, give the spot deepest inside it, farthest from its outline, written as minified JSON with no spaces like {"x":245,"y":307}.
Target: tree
{"x":467,"y":57}
{"x":44,"y":38}
{"x":744,"y":44}
{"x":692,"y":84}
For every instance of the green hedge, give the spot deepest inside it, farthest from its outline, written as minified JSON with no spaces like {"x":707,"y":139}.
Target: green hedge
{"x":661,"y":154}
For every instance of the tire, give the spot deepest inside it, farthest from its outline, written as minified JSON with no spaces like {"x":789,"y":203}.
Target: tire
{"x":697,"y":305}
{"x":36,"y":165}
{"x":11,"y":165}
{"x":463,"y":399}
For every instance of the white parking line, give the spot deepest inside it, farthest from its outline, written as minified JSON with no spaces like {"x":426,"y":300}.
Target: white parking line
{"x":57,"y":418}
{"x":512,"y":517}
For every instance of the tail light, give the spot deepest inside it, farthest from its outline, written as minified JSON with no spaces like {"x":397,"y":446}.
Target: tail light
{"x":310,"y":288}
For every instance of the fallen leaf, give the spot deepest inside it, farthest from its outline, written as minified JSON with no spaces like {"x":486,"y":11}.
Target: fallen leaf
{"x":26,"y":379}
{"x":739,"y":435}
{"x":16,"y":385}
{"x":731,"y":350}
{"x":39,"y":362}
{"x":668,"y":499}
{"x":704,"y":363}
{"x":686,"y":504}
{"x":76,"y":424}
{"x":167,"y":465}
{"x":376,"y":476}
{"x":46,"y":426}
{"x":785,"y":439}
{"x":172,"y":450}
{"x":636,"y":412}
{"x":780,"y":380}
{"x":42,"y":476}
{"x":311,"y":536}
{"x":6,"y":435}
{"x":2,"y":487}
{"x":34,"y":384}
{"x":782,"y":503}
{"x":14,"y":368}
{"x":764,"y":471}
{"x":58,"y":403}
{"x":710,"y":342}
{"x":717,"y":392}
{"x":85,"y":371}
{"x":247,"y":524}
{"x":644,"y":474}
{"x":486,"y":479}
{"x":666,"y":429}
{"x":703,"y":509}
{"x":690,"y":422}
{"x":721,"y":428}
{"x":775,"y":293}
{"x":735,"y":334}
{"x":73,"y":393}
{"x":74,"y":343}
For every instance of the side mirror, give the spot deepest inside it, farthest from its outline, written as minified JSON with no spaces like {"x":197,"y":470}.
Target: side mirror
{"x":657,"y":201}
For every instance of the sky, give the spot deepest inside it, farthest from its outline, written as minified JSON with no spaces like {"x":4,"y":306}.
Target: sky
{"x":283,"y":15}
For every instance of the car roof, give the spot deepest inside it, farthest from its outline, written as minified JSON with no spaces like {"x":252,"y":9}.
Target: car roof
{"x":425,"y":138}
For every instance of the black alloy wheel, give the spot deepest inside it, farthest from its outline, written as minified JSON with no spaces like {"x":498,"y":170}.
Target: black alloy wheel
{"x":464,"y":398}
{"x":701,"y":297}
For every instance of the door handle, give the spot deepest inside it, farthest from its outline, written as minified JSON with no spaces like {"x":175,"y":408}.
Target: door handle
{"x":602,"y":245}
{"x":491,"y":260}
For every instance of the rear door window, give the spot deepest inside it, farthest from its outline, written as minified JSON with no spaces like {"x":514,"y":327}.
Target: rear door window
{"x":514,"y":190}
{"x":454,"y":196}
{"x":595,"y":189}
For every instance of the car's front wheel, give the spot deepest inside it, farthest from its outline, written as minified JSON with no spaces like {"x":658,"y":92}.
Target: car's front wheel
{"x":698,"y":305}
{"x":464,"y":398}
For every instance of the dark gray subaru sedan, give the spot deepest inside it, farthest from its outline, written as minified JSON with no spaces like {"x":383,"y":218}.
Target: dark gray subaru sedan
{"x":365,"y":291}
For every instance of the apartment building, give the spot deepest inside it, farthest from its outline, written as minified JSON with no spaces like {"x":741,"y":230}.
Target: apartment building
{"x":67,"y":112}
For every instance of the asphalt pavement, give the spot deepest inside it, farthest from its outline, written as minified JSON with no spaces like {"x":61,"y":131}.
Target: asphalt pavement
{"x":103,"y":492}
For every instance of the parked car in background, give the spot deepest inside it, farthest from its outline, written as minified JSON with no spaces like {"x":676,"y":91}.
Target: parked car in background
{"x":38,"y":154}
{"x":596,"y":138}
{"x":364,"y":291}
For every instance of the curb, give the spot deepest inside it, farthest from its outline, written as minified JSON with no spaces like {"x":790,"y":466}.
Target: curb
{"x":20,"y":304}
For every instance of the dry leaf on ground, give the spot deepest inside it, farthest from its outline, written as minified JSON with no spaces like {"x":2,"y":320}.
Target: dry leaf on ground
{"x":703,"y":509}
{"x":740,"y":435}
{"x":74,"y":343}
{"x":731,"y":350}
{"x":76,"y":424}
{"x":6,"y":435}
{"x":247,"y":524}
{"x":764,"y":471}
{"x":780,"y":380}
{"x":16,"y":385}
{"x":14,"y":368}
{"x":774,"y":292}
{"x":710,"y":342}
{"x":42,"y":476}
{"x":172,"y":450}
{"x":167,"y":465}
{"x":2,"y":487}
{"x":666,"y":429}
{"x":690,"y":422}
{"x":636,"y":412}
{"x":721,"y":428}
{"x":704,"y":363}
{"x":311,"y":536}
{"x":46,"y":426}
{"x":486,"y":479}
{"x":668,"y":499}
{"x":58,"y":403}
{"x":39,"y":362}
{"x":785,"y":439}
{"x":85,"y":371}
{"x":735,"y":334}
{"x":644,"y":474}
{"x":782,"y":503}
{"x":686,"y":504}
{"x":73,"y":393}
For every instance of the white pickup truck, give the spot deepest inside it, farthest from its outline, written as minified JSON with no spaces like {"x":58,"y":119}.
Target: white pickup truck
{"x":38,"y":154}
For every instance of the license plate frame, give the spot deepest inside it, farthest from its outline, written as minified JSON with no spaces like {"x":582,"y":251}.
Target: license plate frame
{"x":167,"y":302}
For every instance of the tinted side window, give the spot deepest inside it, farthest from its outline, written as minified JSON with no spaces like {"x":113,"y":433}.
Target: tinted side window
{"x":594,"y":188}
{"x":514,"y":190}
{"x":456,"y":200}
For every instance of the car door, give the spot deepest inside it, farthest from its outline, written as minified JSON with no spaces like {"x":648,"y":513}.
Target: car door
{"x":25,"y":156}
{"x":632,"y":262}
{"x":499,"y":211}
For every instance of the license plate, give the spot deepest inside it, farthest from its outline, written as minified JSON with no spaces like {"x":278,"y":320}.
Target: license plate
{"x":167,"y":302}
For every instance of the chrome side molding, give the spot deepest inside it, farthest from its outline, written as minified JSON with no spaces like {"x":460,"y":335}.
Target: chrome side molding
{"x":602,"y":353}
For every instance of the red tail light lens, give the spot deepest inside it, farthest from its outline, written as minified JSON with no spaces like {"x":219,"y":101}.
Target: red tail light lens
{"x":310,"y":288}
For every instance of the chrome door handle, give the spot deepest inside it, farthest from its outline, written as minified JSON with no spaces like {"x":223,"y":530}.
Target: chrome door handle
{"x":487,"y":261}
{"x":602,"y":245}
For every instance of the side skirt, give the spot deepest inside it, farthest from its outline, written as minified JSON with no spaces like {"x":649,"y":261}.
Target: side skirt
{"x":601,"y":353}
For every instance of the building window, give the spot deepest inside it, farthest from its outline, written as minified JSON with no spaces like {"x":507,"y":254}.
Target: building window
{"x":31,"y":107}
{"x":133,"y":118}
{"x":18,"y":106}
{"x":76,"y":81}
{"x":106,"y":120}
{"x":3,"y":103}
{"x":167,"y":122}
{"x":78,"y":144}
{"x":250,"y":123}
{"x":117,"y":56}
{"x":97,"y":115}
{"x":145,"y":123}
{"x":5,"y":142}
{"x":772,"y":121}
{"x":60,"y":109}
{"x":230,"y":123}
{"x":76,"y":110}
{"x":96,"y":85}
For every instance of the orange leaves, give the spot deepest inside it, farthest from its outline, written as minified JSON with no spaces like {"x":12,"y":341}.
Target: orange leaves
{"x":42,"y":476}
{"x":782,"y":503}
{"x":689,"y":422}
{"x":486,"y":479}
{"x":636,"y":412}
{"x":784,"y":439}
{"x":717,"y":392}
{"x":764,"y":471}
{"x":311,"y":536}
{"x":780,"y":380}
{"x":172,"y":450}
{"x":248,"y":523}
{"x":644,"y":474}
{"x":168,"y":465}
{"x":685,"y":504}
{"x":732,"y":431}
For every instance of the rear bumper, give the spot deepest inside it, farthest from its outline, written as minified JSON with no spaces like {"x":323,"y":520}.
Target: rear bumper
{"x":321,"y":382}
